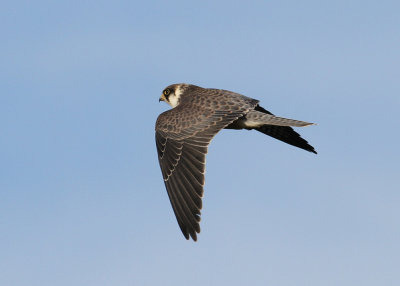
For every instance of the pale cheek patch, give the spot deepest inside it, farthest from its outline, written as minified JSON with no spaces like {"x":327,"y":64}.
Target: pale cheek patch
{"x":178,"y":91}
{"x":173,"y":100}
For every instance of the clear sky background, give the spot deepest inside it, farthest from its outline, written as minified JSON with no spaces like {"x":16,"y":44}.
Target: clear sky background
{"x":82,"y":201}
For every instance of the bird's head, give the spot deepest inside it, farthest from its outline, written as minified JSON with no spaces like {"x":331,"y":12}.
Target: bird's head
{"x":172,"y":94}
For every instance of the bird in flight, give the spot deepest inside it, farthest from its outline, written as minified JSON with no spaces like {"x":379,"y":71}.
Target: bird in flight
{"x":184,"y":132}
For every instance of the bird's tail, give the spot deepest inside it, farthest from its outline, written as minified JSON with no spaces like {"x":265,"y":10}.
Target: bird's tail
{"x":255,"y":118}
{"x":287,"y":135}
{"x":284,"y":133}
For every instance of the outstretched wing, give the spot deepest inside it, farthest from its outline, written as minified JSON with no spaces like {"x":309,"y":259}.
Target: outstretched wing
{"x":182,"y":148}
{"x":284,"y":133}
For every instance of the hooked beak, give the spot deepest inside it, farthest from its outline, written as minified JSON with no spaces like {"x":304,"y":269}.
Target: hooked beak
{"x":162,"y":98}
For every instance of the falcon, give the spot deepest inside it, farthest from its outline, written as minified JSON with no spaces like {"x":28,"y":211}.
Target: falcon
{"x":184,"y":132}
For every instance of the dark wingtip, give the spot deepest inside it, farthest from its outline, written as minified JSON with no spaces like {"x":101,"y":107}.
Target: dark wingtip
{"x":190,"y":234}
{"x":186,"y":235}
{"x":312,"y":150}
{"x":284,"y":133}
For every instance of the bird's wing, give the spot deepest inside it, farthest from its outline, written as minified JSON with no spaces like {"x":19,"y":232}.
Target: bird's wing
{"x":284,"y":133}
{"x":182,"y":148}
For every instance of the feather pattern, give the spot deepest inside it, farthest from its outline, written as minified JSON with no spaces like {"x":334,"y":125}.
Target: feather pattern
{"x":184,"y":133}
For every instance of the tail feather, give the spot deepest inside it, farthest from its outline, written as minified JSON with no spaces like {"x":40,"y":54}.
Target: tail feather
{"x":287,"y":135}
{"x":284,"y":133}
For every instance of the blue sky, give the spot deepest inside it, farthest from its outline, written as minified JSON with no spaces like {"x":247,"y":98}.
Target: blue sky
{"x":82,"y":201}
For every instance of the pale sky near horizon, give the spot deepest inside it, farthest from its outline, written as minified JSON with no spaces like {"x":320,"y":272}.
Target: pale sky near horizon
{"x":82,"y":201}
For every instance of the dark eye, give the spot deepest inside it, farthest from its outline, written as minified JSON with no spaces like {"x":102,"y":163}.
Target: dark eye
{"x":166,"y":92}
